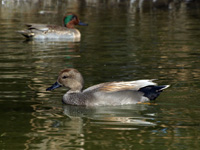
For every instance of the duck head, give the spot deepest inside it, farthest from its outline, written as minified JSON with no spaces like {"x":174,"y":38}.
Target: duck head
{"x":71,"y":19}
{"x":69,"y":78}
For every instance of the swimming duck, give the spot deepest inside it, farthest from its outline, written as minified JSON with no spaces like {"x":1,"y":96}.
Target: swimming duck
{"x":109,"y":93}
{"x":43,"y":31}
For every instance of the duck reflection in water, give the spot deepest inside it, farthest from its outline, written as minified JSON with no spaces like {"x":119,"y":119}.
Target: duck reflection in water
{"x":118,"y":116}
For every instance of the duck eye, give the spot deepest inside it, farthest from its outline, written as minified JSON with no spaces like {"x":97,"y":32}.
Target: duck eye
{"x":64,"y":77}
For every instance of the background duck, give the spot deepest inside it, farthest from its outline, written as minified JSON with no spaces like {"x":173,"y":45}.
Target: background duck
{"x":110,"y":93}
{"x":43,"y":31}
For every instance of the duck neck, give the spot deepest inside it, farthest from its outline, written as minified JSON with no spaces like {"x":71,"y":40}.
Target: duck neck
{"x":73,"y":91}
{"x":76,"y":88}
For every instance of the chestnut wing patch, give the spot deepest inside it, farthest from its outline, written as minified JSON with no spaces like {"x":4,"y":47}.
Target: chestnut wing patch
{"x":118,"y":86}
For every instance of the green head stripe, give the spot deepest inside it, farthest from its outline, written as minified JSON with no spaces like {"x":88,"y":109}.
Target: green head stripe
{"x":67,"y":19}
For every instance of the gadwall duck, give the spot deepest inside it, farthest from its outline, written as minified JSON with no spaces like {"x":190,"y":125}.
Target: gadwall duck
{"x":109,"y":93}
{"x":43,"y":31}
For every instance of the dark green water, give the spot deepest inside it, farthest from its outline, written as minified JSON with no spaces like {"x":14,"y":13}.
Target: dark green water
{"x":124,"y":41}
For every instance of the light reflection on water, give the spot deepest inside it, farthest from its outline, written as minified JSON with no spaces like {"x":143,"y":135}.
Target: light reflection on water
{"x":124,"y":41}
{"x":136,"y":124}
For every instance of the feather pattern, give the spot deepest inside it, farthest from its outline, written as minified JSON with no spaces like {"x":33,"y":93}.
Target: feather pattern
{"x":131,"y":85}
{"x":40,"y":31}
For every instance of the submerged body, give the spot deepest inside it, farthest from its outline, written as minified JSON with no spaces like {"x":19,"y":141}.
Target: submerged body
{"x":110,"y":93}
{"x":43,"y":31}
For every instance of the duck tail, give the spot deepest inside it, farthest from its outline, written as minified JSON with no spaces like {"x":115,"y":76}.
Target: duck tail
{"x":26,"y":33}
{"x":152,"y":91}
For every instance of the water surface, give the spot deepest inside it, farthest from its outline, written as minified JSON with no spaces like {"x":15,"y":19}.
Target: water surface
{"x":125,"y":40}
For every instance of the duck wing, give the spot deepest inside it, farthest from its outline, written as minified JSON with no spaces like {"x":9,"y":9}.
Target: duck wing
{"x":110,"y":87}
{"x":34,"y":29}
{"x":120,"y":93}
{"x":41,"y":27}
{"x":45,"y":27}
